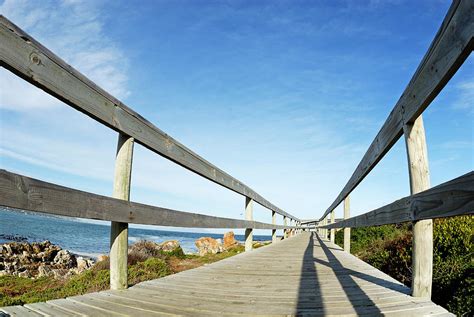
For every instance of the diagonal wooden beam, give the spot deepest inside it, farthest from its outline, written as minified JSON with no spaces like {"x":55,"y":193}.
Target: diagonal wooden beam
{"x":453,"y":198}
{"x":25,"y":193}
{"x":24,"y":56}
{"x":450,"y":48}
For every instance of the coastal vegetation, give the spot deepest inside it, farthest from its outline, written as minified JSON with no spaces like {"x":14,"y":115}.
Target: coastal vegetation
{"x":389,"y":248}
{"x":145,"y":262}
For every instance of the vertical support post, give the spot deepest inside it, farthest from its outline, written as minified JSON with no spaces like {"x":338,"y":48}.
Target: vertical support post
{"x":285,"y":221}
{"x":325,"y":231}
{"x":333,"y":230}
{"x":291,"y":230}
{"x":347,"y":230}
{"x":274,"y":232}
{"x":248,"y":231}
{"x":422,"y":257}
{"x":119,"y":230}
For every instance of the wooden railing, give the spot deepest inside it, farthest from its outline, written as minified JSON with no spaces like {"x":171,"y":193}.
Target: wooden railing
{"x":27,"y":58}
{"x":450,"y":48}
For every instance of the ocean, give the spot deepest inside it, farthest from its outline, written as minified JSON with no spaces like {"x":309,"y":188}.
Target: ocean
{"x":86,"y":238}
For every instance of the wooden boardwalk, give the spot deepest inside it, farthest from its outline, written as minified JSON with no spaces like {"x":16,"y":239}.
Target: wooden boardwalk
{"x":302,"y":275}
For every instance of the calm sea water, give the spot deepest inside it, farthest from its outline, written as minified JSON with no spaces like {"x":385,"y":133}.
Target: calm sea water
{"x":86,"y":238}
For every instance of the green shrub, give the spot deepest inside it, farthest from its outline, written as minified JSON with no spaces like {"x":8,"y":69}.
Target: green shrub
{"x":389,"y":249}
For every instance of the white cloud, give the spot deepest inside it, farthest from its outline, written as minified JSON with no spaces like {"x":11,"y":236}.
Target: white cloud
{"x":465,"y":100}
{"x":74,"y":31}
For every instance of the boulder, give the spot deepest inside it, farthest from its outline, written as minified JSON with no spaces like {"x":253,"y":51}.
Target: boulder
{"x":39,"y":259}
{"x":102,"y":257}
{"x":44,"y":270}
{"x":169,"y":246}
{"x":207,"y":245}
{"x":83,"y":264}
{"x":65,"y":259}
{"x":229,"y":240}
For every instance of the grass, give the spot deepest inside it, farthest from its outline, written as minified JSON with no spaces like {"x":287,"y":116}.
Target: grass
{"x":144,"y":264}
{"x":389,"y":249}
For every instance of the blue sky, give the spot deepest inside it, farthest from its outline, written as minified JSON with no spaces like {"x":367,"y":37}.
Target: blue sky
{"x":286,"y":96}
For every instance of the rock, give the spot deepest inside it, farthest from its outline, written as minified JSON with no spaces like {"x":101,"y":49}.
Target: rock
{"x":102,"y":257}
{"x":36,"y":248}
{"x":60,"y":274}
{"x":83,"y":264}
{"x":229,"y":240}
{"x":207,"y":245}
{"x":65,"y":258}
{"x":169,"y":246}
{"x":44,"y":270}
{"x":39,"y":259}
{"x":25,"y":273}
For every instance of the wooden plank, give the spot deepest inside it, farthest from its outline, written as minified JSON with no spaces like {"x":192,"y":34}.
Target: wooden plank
{"x":453,"y":198}
{"x":422,"y":255}
{"x":119,"y":230}
{"x":81,"y":309}
{"x":337,"y":284}
{"x":19,"y":311}
{"x":49,"y":310}
{"x":450,"y":48}
{"x":21,"y":192}
{"x":23,"y":55}
{"x":97,"y":301}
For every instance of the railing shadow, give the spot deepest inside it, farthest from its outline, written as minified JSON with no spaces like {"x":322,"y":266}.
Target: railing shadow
{"x":309,"y":293}
{"x":360,"y":301}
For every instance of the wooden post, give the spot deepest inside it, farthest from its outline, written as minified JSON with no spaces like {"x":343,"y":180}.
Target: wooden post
{"x":422,"y":257}
{"x":274,"y":232}
{"x":333,"y":230}
{"x":248,"y":231}
{"x":119,"y":230}
{"x":284,"y":230}
{"x":347,"y":231}
{"x":325,"y":231}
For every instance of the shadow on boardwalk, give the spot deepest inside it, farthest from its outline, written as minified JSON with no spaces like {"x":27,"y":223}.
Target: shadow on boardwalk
{"x":310,"y":295}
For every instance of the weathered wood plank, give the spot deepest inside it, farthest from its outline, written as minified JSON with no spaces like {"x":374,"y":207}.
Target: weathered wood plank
{"x":314,"y":278}
{"x":49,"y":310}
{"x":19,"y":311}
{"x":80,"y":308}
{"x":21,"y":192}
{"x":450,"y":48}
{"x":453,"y":198}
{"x":27,"y":58}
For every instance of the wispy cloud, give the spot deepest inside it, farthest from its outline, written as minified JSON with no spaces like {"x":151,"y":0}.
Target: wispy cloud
{"x":74,"y":31}
{"x":465,"y":101}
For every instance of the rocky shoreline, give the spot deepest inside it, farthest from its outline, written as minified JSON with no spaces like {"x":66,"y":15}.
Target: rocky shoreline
{"x":44,"y":259}
{"x":38,"y":259}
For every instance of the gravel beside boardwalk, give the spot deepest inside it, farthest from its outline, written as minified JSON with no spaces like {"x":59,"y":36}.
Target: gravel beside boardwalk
{"x":301,"y":275}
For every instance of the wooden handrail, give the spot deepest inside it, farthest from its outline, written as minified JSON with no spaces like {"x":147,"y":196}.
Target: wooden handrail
{"x":450,"y":48}
{"x":23,"y":55}
{"x":21,"y":192}
{"x":452,"y":198}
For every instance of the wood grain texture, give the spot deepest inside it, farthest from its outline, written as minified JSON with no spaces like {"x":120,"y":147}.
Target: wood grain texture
{"x":301,"y":276}
{"x":453,"y":198}
{"x":450,"y":48}
{"x":21,"y":192}
{"x":419,"y":174}
{"x":119,"y":230}
{"x":249,"y":217}
{"x":27,"y":58}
